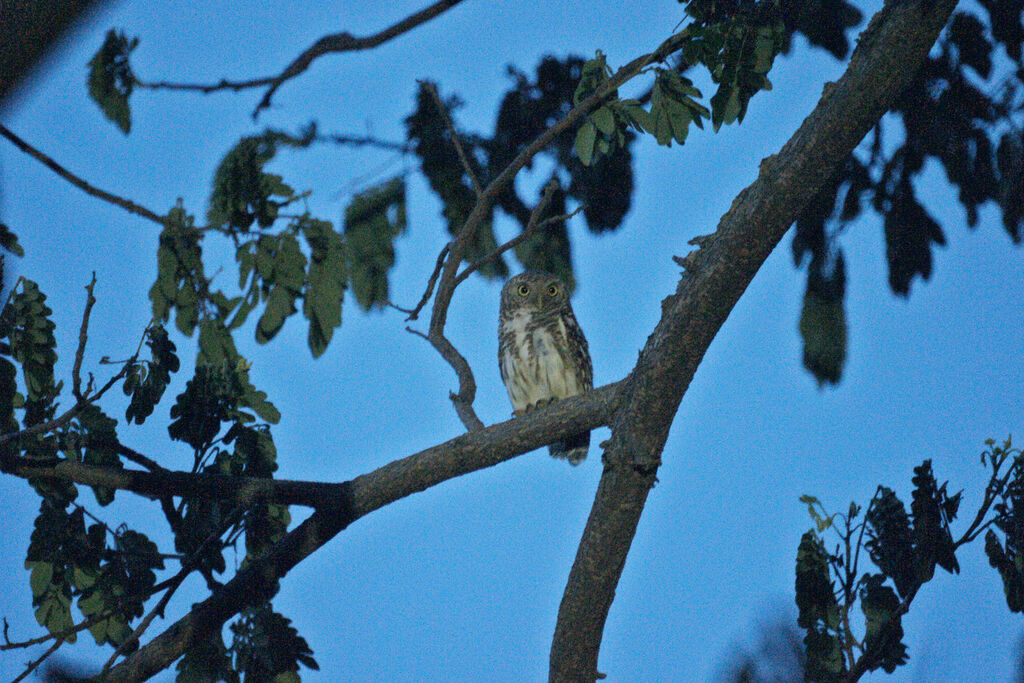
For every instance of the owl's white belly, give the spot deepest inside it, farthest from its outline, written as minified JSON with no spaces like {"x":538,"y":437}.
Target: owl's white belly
{"x":535,"y":368}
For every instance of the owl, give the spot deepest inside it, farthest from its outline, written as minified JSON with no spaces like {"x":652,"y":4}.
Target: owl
{"x":542,"y":352}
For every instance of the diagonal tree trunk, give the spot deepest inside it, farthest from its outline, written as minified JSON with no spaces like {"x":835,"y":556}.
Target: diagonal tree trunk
{"x":886,"y":59}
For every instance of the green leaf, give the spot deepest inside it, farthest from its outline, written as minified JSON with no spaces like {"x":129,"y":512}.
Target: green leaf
{"x":372,"y":222}
{"x":9,"y":241}
{"x":818,"y":611}
{"x":243,"y":193}
{"x":890,"y":542}
{"x":207,"y":662}
{"x":180,"y":276}
{"x":266,"y":645}
{"x":111,"y":80}
{"x":593,"y":75}
{"x":325,"y":283}
{"x":604,"y":119}
{"x":146,"y":381}
{"x":42,"y":573}
{"x":883,"y":628}
{"x":586,"y":137}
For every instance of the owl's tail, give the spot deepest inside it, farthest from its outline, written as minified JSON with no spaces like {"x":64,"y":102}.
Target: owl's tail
{"x":574,"y":449}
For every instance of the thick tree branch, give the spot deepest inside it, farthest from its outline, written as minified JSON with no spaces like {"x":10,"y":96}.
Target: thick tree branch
{"x":886,"y":58}
{"x":461,"y":455}
{"x":345,"y":503}
{"x":346,"y":42}
{"x":126,"y":204}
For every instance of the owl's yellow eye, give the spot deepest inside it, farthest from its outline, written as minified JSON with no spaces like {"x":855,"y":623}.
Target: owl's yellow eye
{"x":552,"y":290}
{"x":524,"y":290}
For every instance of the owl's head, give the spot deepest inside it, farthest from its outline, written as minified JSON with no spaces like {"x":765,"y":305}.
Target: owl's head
{"x":536,"y":291}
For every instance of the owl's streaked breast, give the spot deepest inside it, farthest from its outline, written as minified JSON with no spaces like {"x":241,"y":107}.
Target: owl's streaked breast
{"x":532,"y":366}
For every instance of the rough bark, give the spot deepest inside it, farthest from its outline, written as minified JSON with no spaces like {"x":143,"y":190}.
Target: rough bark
{"x":887,"y":56}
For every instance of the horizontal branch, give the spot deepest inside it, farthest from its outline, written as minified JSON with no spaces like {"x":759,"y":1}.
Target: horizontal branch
{"x":126,"y":204}
{"x":347,"y":502}
{"x":463,"y":454}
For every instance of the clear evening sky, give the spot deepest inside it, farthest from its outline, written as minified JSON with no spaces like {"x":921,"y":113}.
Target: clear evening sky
{"x":463,"y":581}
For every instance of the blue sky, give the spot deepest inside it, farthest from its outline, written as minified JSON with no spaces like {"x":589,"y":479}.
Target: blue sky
{"x":462,"y":582}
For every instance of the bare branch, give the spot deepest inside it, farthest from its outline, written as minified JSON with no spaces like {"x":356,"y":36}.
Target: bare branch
{"x":458,"y":456}
{"x":415,"y":312}
{"x":531,"y":227}
{"x":206,"y":89}
{"x":346,"y":42}
{"x":35,"y":663}
{"x":896,"y":40}
{"x":83,"y":336}
{"x":447,"y":115}
{"x":126,"y":204}
{"x":63,"y":635}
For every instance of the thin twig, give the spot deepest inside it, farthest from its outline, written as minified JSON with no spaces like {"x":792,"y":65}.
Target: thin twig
{"x":206,"y":89}
{"x":126,"y":204}
{"x":88,"y":623}
{"x":346,"y":42}
{"x":83,"y":335}
{"x":450,"y":125}
{"x":463,"y":400}
{"x":514,"y":242}
{"x":79,"y":404}
{"x":415,"y":312}
{"x":35,"y":663}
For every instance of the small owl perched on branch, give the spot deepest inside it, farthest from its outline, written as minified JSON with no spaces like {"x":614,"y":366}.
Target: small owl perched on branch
{"x":542,"y":352}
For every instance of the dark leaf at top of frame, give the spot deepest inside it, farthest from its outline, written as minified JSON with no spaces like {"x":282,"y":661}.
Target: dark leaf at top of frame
{"x":110,"y":78}
{"x":890,"y":542}
{"x":430,"y":136}
{"x":823,"y":321}
{"x":883,"y":627}
{"x":266,"y":645}
{"x":325,"y":284}
{"x":604,"y":187}
{"x":547,"y":249}
{"x":372,"y":222}
{"x":932,"y":509}
{"x":1010,"y":158}
{"x":967,"y":33}
{"x":824,"y":23}
{"x":1006,"y":18}
{"x":243,"y":192}
{"x":910,"y":233}
{"x":9,"y":241}
{"x":146,"y":381}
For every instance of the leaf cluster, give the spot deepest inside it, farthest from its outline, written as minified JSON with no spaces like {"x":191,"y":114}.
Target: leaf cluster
{"x":964,"y":111}
{"x":904,"y":548}
{"x":110,"y":78}
{"x":264,"y":647}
